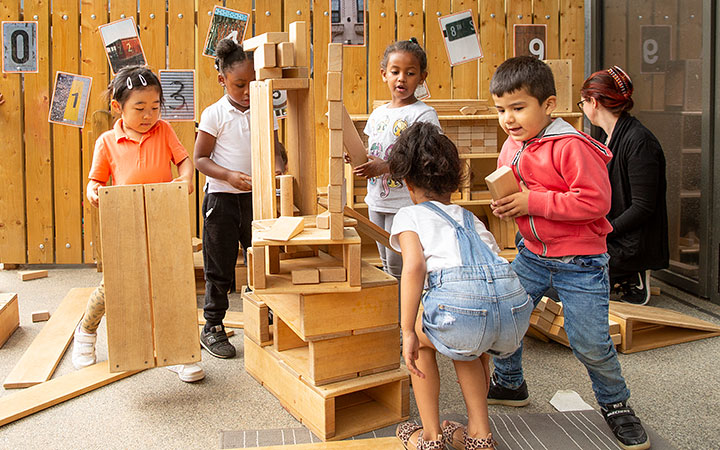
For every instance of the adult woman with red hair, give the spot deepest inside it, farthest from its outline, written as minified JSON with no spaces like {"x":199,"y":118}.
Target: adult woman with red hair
{"x":638,"y":213}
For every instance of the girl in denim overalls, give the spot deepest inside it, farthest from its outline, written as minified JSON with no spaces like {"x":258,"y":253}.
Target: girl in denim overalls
{"x":474,"y":303}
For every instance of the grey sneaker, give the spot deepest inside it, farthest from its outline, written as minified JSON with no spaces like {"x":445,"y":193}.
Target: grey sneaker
{"x":216,"y":342}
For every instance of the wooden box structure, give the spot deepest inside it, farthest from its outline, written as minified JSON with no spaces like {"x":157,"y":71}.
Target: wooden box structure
{"x":332,"y":353}
{"x":9,"y":316}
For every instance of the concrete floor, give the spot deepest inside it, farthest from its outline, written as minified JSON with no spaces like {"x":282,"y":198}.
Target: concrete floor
{"x":675,"y":390}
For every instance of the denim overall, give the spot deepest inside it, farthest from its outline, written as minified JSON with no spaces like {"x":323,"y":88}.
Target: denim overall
{"x":479,"y":307}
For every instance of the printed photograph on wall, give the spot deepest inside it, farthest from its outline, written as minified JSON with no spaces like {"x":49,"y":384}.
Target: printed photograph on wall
{"x":70,"y":99}
{"x":178,"y":87}
{"x":280,"y":104}
{"x":122,"y":44}
{"x":462,"y":41}
{"x":19,"y":47}
{"x":225,"y":24}
{"x":347,"y":22}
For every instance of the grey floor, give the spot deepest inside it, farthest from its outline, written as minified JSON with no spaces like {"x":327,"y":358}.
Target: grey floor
{"x":675,"y":390}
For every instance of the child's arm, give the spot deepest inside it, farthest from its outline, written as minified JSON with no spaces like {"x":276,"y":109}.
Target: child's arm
{"x":204,"y":145}
{"x":92,"y":192}
{"x":374,"y":167}
{"x":281,"y":158}
{"x":2,"y":100}
{"x":411,"y":286}
{"x":512,"y":206}
{"x":186,"y":170}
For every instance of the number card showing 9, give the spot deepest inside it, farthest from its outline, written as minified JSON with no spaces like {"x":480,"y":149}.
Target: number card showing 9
{"x":178,"y":88}
{"x":19,"y":47}
{"x":462,"y":42}
{"x":70,"y":99}
{"x":656,"y":45}
{"x":529,"y":40}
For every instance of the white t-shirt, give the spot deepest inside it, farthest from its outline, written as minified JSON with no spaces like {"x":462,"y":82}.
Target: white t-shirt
{"x":383,"y":128}
{"x":233,"y":151}
{"x":437,"y":236}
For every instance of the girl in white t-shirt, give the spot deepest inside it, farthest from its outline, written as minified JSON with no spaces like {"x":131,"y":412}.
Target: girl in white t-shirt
{"x":223,"y":153}
{"x":474,"y":303}
{"x":403,"y":68}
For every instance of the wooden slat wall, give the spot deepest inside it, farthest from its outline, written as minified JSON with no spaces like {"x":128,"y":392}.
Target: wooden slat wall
{"x":42,"y":201}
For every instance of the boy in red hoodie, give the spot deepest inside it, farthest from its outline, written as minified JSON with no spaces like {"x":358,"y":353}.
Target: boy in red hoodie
{"x":560,"y":213}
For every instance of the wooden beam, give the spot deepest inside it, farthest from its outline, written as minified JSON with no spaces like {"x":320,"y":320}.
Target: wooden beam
{"x":274,"y":37}
{"x":27,"y":275}
{"x":285,"y":54}
{"x":298,"y":37}
{"x":9,"y":316}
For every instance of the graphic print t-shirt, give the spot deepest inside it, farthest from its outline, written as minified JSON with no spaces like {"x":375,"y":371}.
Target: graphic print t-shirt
{"x":383,"y":128}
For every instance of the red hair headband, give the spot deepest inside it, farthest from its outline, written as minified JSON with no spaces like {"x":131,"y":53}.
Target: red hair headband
{"x":622,"y":81}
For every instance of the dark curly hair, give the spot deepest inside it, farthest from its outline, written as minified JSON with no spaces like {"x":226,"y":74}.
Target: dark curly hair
{"x":426,"y":158}
{"x":410,"y":46}
{"x":131,"y":78}
{"x":228,"y":53}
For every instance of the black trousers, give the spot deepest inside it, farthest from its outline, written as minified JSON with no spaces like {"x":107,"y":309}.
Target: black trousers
{"x":227,"y":221}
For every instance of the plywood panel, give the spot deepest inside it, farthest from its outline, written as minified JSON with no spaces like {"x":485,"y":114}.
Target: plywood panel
{"x":547,"y":12}
{"x":439,"y":73}
{"x":492,"y":33}
{"x":381,"y":33}
{"x":465,"y":82}
{"x":410,"y":20}
{"x":66,"y":141}
{"x":172,"y":274}
{"x":127,"y":287}
{"x":572,"y":42}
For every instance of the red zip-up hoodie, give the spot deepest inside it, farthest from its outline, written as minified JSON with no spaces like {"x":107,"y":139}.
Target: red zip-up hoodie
{"x":566,"y":172}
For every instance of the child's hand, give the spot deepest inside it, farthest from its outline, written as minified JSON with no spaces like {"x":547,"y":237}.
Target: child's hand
{"x":2,"y":100}
{"x":373,"y":168}
{"x":239,"y":180}
{"x":410,"y":345}
{"x":183,"y":180}
{"x":512,"y":206}
{"x":92,"y":192}
{"x":346,"y":157}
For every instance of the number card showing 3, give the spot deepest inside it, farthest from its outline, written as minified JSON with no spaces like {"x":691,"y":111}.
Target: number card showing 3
{"x":19,"y":47}
{"x":178,"y":87}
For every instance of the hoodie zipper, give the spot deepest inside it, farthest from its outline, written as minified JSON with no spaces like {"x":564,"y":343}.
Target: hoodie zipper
{"x":516,"y":163}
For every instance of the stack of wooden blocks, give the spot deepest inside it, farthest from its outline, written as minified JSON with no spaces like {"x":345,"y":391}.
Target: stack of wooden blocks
{"x":332,"y":353}
{"x":549,"y":320}
{"x":472,"y":139}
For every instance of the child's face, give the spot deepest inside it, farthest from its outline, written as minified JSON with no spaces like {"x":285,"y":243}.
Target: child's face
{"x":236,"y":81}
{"x":521,"y":115}
{"x":402,"y":76}
{"x":141,"y":110}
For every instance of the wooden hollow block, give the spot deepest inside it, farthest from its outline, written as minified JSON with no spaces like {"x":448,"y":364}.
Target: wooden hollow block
{"x":257,"y":259}
{"x":334,"y":86}
{"x":275,"y":37}
{"x":305,"y":276}
{"x":290,"y":84}
{"x":272,"y":254}
{"x":353,"y":261}
{"x":264,"y":56}
{"x":298,"y":36}
{"x":335,"y":115}
{"x":354,"y":145}
{"x":337,"y":171}
{"x":337,"y":226}
{"x":268,"y":73}
{"x":335,"y":57}
{"x":332,"y":274}
{"x":257,"y":323}
{"x":286,"y":195}
{"x":40,"y":316}
{"x":322,"y":220}
{"x":284,"y":337}
{"x":295,"y":72}
{"x":337,"y":146}
{"x":9,"y":318}
{"x":27,"y":275}
{"x":502,"y":183}
{"x":285,"y":228}
{"x":335,"y":198}
{"x":285,"y":54}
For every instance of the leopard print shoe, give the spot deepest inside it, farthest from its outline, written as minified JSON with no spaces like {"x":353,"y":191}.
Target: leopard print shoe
{"x":472,"y":443}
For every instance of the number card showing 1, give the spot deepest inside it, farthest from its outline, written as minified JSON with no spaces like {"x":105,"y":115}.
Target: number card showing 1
{"x":529,"y":40}
{"x":178,"y":87}
{"x":70,"y":99}
{"x":656,"y":46}
{"x":461,"y":39}
{"x":19,"y":47}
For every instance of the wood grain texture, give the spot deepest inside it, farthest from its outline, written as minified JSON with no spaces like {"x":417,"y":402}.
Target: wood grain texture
{"x":381,"y":18}
{"x":9,"y":316}
{"x":439,"y":78}
{"x":492,"y":32}
{"x":465,"y":76}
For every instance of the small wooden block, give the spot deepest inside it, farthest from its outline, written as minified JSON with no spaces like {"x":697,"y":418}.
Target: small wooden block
{"x":306,"y":276}
{"x":334,"y":86}
{"x":285,"y":55}
{"x":654,"y":290}
{"x":332,"y":274}
{"x":468,"y":110}
{"x":354,"y":145}
{"x":502,"y":183}
{"x":40,"y":316}
{"x":322,"y":220}
{"x":258,"y":267}
{"x":27,"y":275}
{"x":298,"y":36}
{"x":354,"y":261}
{"x":337,"y":146}
{"x":335,"y":57}
{"x":264,"y":57}
{"x":335,"y":115}
{"x":337,"y":226}
{"x":275,"y":37}
{"x":337,"y":171}
{"x":295,"y":72}
{"x":335,"y":199}
{"x":285,"y":228}
{"x":286,"y":195}
{"x":257,"y":325}
{"x":196,"y":244}
{"x":271,"y":73}
{"x":614,"y":327}
{"x":554,"y":306}
{"x":616,"y":338}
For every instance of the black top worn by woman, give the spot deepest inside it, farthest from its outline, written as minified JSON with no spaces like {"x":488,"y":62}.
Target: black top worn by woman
{"x":638,"y":213}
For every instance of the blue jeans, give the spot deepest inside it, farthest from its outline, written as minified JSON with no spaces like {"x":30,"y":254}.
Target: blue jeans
{"x":583,"y":288}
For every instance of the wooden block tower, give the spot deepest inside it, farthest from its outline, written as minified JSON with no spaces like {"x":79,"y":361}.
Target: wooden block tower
{"x":332,"y":354}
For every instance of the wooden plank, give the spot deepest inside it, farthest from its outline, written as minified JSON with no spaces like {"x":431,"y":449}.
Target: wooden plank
{"x":66,"y":142}
{"x":27,"y":275}
{"x":127,"y":285}
{"x":12,"y":207}
{"x":546,"y":12}
{"x":172,"y":274}
{"x":9,"y":316}
{"x":465,"y":81}
{"x":38,"y":166}
{"x":233,"y":319}
{"x":410,"y":20}
{"x":270,"y":37}
{"x":492,"y":32}
{"x":368,"y":228}
{"x":387,"y":443}
{"x":355,"y":76}
{"x":300,"y":144}
{"x":381,"y":33}
{"x":306,"y":276}
{"x":40,"y":316}
{"x":285,"y":228}
{"x":308,"y":236}
{"x":47,"y":349}
{"x":36,"y":398}
{"x":321,"y":38}
{"x":152,"y":24}
{"x":572,"y":43}
{"x":439,"y":80}
{"x":263,"y":168}
{"x":354,"y":145}
{"x":123,"y":9}
{"x":518,"y":12}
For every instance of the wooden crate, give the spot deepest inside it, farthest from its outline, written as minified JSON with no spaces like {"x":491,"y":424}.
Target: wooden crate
{"x":9,"y":316}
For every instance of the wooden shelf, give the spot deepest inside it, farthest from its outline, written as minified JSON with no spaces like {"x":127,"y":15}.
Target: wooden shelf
{"x":479,"y":155}
{"x":566,"y":115}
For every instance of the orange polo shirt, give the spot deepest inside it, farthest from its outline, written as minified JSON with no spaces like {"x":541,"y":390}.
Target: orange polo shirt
{"x":131,"y":162}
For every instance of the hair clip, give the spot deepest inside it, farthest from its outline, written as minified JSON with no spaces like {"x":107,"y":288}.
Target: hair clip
{"x":142,"y":79}
{"x":414,"y":40}
{"x":128,"y":83}
{"x":622,"y":80}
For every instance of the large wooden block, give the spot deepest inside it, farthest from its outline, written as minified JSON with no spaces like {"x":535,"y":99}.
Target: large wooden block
{"x":334,"y":86}
{"x":285,"y":54}
{"x":256,"y":321}
{"x":335,"y":198}
{"x":353,"y":257}
{"x":335,"y":57}
{"x":9,"y":316}
{"x":336,"y":226}
{"x":305,"y":276}
{"x":332,"y":274}
{"x":353,"y":142}
{"x":268,"y":73}
{"x":298,"y":37}
{"x":27,"y":275}
{"x":336,"y":168}
{"x":335,"y":115}
{"x":287,"y":206}
{"x":502,"y":183}
{"x":265,"y":56}
{"x":337,"y":146}
{"x":274,"y":37}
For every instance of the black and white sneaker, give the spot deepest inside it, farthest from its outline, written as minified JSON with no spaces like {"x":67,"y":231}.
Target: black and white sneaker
{"x":636,"y":290}
{"x":625,"y":425}
{"x":500,"y":395}
{"x":215,"y":341}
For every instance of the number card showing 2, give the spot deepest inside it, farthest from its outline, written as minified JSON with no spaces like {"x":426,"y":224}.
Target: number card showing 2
{"x":178,"y":87}
{"x":19,"y":47}
{"x":70,"y":99}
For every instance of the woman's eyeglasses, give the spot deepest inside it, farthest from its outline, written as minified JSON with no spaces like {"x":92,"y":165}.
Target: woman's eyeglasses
{"x":580,"y":104}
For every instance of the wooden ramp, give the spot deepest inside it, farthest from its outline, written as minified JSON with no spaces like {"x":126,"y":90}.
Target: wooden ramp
{"x":648,"y":327}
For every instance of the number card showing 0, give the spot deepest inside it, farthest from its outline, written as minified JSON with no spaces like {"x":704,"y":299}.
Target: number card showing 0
{"x":19,"y":47}
{"x":178,"y":87}
{"x":462,"y":42}
{"x":529,"y":40}
{"x":70,"y":99}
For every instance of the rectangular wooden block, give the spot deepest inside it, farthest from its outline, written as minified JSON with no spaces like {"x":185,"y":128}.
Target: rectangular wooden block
{"x":337,"y":146}
{"x":354,"y":145}
{"x":27,"y":275}
{"x":334,"y":86}
{"x":256,"y":320}
{"x":285,"y":228}
{"x":196,"y":244}
{"x":502,"y":183}
{"x":353,"y":260}
{"x":335,"y":115}
{"x":40,"y":316}
{"x":337,"y":228}
{"x":323,"y":220}
{"x":553,"y":306}
{"x":290,"y":84}
{"x":337,"y":171}
{"x":335,"y":198}
{"x":295,"y":72}
{"x":335,"y":57}
{"x":562,"y":73}
{"x":256,"y":266}
{"x":268,"y":73}
{"x":9,"y":316}
{"x":272,"y":257}
{"x":332,"y":274}
{"x":298,"y":37}
{"x":285,"y":54}
{"x":264,"y":56}
{"x":305,"y":276}
{"x":274,"y":37}
{"x":287,"y":206}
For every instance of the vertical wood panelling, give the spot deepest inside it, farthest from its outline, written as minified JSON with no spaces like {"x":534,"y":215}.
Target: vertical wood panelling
{"x":638,"y":14}
{"x":268,"y":16}
{"x":518,"y":12}
{"x":492,"y":33}
{"x":355,"y":77}
{"x":66,"y":140}
{"x":381,"y":20}
{"x":615,"y":33}
{"x":547,"y":12}
{"x":572,"y":42}
{"x":690,"y":30}
{"x":439,"y":78}
{"x":465,"y":82}
{"x":38,"y":156}
{"x":321,"y":39}
{"x":410,"y":20}
{"x":122,"y":9}
{"x":151,"y":20}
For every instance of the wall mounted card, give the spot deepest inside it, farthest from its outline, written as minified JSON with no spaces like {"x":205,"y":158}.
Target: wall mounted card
{"x":70,"y":99}
{"x":422,"y":92}
{"x":529,"y":40}
{"x":19,"y":47}
{"x":225,"y":24}
{"x":122,"y":44}
{"x":462,"y":41}
{"x":280,"y":104}
{"x":656,"y":42}
{"x":347,"y":22}
{"x":178,"y":87}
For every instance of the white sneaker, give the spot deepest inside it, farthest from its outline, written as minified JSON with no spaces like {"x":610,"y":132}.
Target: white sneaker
{"x":188,"y":372}
{"x":83,"y":353}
